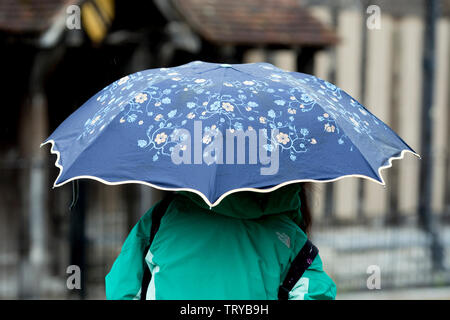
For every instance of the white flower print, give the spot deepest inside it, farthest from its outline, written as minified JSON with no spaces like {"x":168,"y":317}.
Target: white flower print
{"x":227,"y":106}
{"x":140,"y":97}
{"x":283,"y":138}
{"x":190,"y":115}
{"x":206,"y":139}
{"x":161,"y":138}
{"x":329,"y":128}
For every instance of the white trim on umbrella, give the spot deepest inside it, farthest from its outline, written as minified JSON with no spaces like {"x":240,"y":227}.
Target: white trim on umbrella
{"x":57,"y":164}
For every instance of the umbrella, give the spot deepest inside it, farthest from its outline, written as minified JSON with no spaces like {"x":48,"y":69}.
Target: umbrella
{"x":215,"y":129}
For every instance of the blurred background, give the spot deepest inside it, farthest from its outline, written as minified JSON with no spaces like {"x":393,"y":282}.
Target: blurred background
{"x":392,"y":55}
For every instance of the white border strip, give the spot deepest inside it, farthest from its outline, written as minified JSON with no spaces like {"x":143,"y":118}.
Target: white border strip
{"x":57,"y":164}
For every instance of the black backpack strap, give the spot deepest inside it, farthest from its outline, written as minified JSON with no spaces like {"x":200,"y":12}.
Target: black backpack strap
{"x":157,"y":215}
{"x":301,"y":262}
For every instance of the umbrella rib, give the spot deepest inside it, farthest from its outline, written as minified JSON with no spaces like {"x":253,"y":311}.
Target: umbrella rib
{"x":220,"y":100}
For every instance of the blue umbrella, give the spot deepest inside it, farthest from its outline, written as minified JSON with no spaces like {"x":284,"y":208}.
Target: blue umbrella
{"x":215,"y":129}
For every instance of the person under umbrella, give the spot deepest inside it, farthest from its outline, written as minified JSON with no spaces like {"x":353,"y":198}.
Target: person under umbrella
{"x":236,"y":225}
{"x":242,"y":248}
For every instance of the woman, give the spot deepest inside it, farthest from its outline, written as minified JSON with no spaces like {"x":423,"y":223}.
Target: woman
{"x":239,"y":249}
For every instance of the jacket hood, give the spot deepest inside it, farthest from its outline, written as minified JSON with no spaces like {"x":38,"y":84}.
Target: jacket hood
{"x":253,"y":205}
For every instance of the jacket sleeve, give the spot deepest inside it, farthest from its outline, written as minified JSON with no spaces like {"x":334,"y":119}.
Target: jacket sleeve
{"x":123,"y":282}
{"x":315,"y":284}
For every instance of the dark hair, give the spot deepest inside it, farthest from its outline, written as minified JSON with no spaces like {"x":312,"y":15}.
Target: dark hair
{"x":305,"y":208}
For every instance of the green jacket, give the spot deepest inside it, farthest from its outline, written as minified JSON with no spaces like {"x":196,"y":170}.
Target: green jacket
{"x":240,"y":249}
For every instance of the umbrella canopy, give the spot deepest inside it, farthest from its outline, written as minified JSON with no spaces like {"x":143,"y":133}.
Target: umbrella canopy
{"x":215,"y":129}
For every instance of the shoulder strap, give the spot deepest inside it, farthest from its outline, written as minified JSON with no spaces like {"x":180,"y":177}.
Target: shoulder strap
{"x":301,"y":262}
{"x":157,"y":215}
